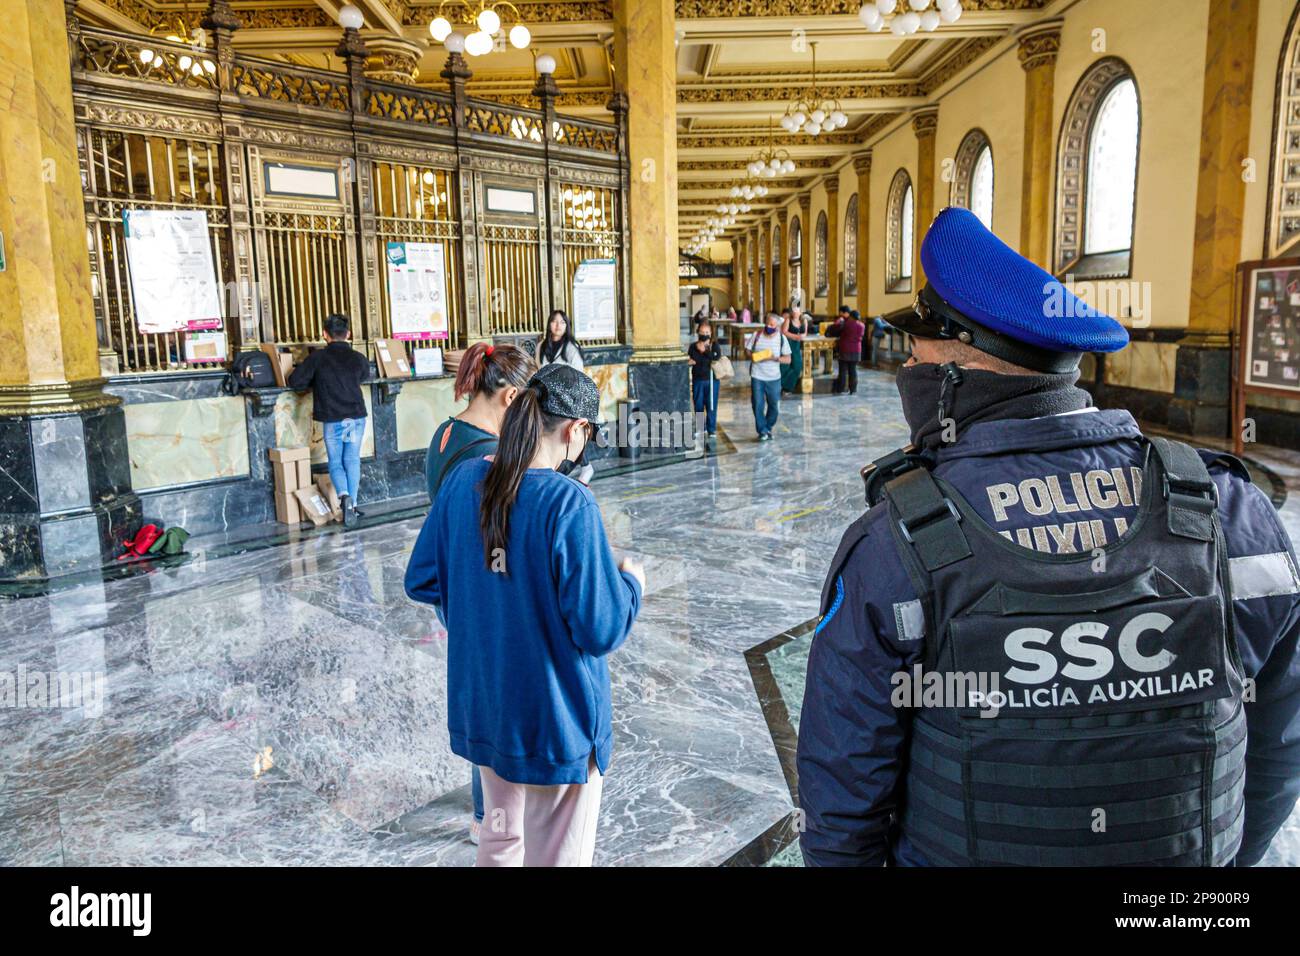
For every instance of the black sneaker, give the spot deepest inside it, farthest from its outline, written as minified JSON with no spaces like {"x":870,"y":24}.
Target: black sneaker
{"x":349,"y":511}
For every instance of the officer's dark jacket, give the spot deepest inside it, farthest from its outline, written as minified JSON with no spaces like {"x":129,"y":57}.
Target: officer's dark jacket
{"x":1018,"y":475}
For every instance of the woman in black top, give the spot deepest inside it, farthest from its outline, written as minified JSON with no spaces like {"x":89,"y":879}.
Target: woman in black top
{"x":704,"y":387}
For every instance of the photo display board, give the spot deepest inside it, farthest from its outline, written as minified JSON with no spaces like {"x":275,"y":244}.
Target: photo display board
{"x":1271,"y":327}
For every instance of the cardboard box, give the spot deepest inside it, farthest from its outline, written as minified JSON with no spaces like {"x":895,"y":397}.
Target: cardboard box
{"x":281,"y":363}
{"x":287,"y":510}
{"x":313,"y":505}
{"x":289,"y":454}
{"x":286,"y":477}
{"x":327,"y":491}
{"x":390,"y":356}
{"x":304,"y":472}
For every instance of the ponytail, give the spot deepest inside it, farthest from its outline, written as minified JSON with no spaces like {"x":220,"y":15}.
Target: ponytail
{"x":486,"y":369}
{"x":521,"y":434}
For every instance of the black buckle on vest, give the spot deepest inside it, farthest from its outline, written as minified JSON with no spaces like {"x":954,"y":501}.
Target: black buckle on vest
{"x":885,"y":469}
{"x":1197,"y":495}
{"x":927,"y":519}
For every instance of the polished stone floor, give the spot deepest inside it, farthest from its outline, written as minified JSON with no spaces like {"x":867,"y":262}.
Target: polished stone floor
{"x":311,"y":649}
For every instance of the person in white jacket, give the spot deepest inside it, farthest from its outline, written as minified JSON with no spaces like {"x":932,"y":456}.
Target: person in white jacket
{"x":558,"y":344}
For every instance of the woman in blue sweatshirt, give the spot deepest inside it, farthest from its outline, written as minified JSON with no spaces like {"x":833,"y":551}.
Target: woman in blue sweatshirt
{"x":514,"y":555}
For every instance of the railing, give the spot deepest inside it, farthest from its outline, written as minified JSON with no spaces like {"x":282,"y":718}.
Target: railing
{"x":165,"y":125}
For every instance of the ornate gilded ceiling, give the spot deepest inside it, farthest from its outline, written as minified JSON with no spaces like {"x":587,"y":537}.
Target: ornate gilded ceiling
{"x":739,"y":62}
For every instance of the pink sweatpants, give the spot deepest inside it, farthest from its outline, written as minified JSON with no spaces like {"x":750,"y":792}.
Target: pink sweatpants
{"x":526,"y":825}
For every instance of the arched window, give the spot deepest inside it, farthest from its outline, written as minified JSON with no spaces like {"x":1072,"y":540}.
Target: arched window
{"x":972,"y":181}
{"x":898,"y":242}
{"x":1282,"y":232}
{"x":1097,"y":173}
{"x":851,"y":246}
{"x":796,"y":262}
{"x":821,"y":279}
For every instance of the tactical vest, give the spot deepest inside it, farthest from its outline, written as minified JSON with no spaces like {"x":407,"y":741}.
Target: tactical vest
{"x":1114,"y":734}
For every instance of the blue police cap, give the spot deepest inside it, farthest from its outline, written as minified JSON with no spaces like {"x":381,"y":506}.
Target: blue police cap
{"x":983,"y":292}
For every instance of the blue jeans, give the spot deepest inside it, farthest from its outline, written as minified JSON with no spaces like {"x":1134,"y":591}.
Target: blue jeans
{"x":476,"y":788}
{"x":702,"y":403}
{"x":766,"y":397}
{"x":343,"y":448}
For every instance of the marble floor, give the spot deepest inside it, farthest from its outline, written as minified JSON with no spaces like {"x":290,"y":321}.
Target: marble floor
{"x":311,"y":649}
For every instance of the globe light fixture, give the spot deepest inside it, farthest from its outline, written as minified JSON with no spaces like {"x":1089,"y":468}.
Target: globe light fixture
{"x":908,"y":17}
{"x":351,"y":18}
{"x":480,"y":25}
{"x":811,"y":112}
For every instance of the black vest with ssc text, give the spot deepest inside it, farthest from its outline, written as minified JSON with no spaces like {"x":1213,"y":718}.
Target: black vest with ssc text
{"x":1087,"y":707}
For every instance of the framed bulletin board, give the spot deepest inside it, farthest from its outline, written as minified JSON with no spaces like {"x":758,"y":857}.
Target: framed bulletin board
{"x":1268,"y":334}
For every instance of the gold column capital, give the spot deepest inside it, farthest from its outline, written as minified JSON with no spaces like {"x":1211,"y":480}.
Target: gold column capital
{"x":925,"y":121}
{"x":862,"y":162}
{"x":831,"y":183}
{"x":805,"y":205}
{"x":1039,"y":44}
{"x":782,"y":217}
{"x":392,"y":59}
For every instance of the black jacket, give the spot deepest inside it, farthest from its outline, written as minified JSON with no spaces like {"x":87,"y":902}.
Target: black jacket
{"x":334,"y":374}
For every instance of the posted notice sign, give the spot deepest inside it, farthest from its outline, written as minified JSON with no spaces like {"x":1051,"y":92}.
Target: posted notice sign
{"x":417,"y":290}
{"x":173,"y":282}
{"x":594,"y":299}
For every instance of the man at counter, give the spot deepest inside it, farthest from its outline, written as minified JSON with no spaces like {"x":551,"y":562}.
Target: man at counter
{"x":334,"y":374}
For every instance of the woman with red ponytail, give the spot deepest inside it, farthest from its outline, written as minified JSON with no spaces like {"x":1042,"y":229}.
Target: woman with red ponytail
{"x":490,"y":376}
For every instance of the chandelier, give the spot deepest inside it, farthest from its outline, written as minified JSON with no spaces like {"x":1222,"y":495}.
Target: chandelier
{"x":747,"y":191}
{"x":770,"y":162}
{"x":905,"y":22}
{"x":812,"y":113}
{"x":484,"y":24}
{"x":192,"y":65}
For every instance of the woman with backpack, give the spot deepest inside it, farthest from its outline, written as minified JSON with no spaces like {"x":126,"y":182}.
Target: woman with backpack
{"x":514,"y":554}
{"x":490,"y":377}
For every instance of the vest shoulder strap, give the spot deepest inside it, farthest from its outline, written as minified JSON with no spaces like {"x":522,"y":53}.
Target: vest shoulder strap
{"x":886,"y":468}
{"x":1190,"y":495}
{"x":927,"y":520}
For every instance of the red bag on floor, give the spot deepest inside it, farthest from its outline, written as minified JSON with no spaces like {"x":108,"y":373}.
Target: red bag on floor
{"x":137,"y":546}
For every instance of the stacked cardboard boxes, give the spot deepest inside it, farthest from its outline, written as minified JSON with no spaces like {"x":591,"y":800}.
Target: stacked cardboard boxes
{"x":297,"y":499}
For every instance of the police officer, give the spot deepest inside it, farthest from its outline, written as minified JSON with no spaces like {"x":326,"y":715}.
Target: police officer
{"x":1051,"y":640}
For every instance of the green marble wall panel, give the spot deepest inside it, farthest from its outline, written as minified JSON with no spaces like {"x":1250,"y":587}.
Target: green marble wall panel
{"x":294,"y":426}
{"x":421,"y":407}
{"x":176,"y":443}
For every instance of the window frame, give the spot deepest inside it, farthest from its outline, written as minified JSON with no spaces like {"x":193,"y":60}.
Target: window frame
{"x":899,"y":186}
{"x":972,"y":146}
{"x":850,"y":246}
{"x":1074,"y":144}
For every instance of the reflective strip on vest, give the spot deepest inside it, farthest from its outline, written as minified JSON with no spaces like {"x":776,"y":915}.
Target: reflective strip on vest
{"x":1263,"y":575}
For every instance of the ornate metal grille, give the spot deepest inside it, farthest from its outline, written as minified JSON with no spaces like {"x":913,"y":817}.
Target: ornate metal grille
{"x":418,"y":204}
{"x":588,"y":230}
{"x":129,"y":171}
{"x":514,"y":286}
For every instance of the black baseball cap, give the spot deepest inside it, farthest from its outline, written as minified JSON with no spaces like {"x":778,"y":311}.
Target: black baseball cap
{"x":567,"y":393}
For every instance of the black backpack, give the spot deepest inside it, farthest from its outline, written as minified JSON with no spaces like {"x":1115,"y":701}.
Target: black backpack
{"x":249,"y":370}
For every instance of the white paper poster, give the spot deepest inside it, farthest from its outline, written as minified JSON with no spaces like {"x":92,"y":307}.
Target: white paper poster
{"x":173,"y":282}
{"x":594,"y":298}
{"x":427,"y":361}
{"x":417,"y":290}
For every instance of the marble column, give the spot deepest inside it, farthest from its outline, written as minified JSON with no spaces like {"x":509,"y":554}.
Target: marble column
{"x":65,"y":489}
{"x":752,"y":265}
{"x":780,"y":278}
{"x":764,"y":265}
{"x":925,"y":122}
{"x":806,"y":251}
{"x":862,"y":166}
{"x":834,"y":291}
{"x":1038,"y":48}
{"x":645,"y":68}
{"x":1201,"y":377}
{"x":737,"y":280}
